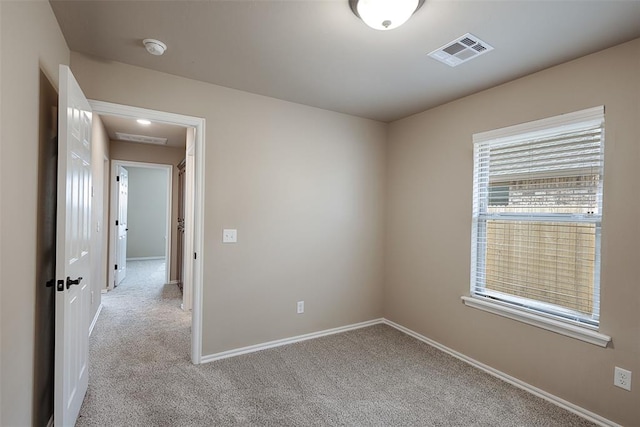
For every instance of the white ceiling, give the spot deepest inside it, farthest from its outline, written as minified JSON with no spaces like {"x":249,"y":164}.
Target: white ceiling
{"x":318,"y":53}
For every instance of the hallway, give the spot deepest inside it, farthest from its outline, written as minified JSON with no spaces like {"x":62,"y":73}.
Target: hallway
{"x":141,"y":333}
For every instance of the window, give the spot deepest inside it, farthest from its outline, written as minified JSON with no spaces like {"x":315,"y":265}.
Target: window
{"x":537,"y":210}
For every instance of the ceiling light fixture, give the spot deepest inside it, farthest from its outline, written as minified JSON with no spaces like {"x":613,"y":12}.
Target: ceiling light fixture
{"x":154,"y":47}
{"x":385,"y":14}
{"x":144,"y":121}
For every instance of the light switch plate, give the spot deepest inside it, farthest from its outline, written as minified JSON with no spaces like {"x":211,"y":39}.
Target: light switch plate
{"x":229,"y":235}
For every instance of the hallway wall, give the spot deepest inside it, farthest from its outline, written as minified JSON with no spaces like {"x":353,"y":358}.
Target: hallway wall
{"x":99,"y":211}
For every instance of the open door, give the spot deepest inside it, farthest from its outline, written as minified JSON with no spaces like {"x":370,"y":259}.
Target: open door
{"x":122,"y":182}
{"x":73,"y":248}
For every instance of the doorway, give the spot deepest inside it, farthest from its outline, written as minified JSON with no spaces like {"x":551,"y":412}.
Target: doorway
{"x":193,"y":237}
{"x":141,"y":200}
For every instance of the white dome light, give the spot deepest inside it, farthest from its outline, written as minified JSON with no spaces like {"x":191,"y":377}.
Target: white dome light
{"x":154,"y":47}
{"x":385,"y":14}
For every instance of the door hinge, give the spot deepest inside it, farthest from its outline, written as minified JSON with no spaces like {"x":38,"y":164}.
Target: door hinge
{"x":195,"y":255}
{"x":116,"y":222}
{"x":118,"y":178}
{"x":116,"y":268}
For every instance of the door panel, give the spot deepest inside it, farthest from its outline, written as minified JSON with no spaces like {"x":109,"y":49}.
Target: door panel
{"x":72,"y":250}
{"x":121,"y":227}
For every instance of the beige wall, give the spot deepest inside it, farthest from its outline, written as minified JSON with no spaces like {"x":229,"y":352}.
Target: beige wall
{"x":155,"y":154}
{"x":303,"y":186}
{"x":430,"y":166}
{"x":31,"y":41}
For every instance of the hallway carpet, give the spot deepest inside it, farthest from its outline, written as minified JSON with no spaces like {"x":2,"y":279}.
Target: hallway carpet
{"x":141,"y":375}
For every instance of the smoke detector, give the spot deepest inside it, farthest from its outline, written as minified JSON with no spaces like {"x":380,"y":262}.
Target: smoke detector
{"x":154,"y":47}
{"x":461,"y":50}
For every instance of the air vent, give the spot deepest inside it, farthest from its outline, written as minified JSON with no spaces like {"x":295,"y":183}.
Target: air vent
{"x":467,"y":41}
{"x":461,"y":50}
{"x":141,"y":138}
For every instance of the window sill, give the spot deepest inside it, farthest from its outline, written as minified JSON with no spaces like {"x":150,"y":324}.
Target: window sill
{"x":557,"y":326}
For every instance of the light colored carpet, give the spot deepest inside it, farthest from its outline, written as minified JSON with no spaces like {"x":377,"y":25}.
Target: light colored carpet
{"x":141,"y":375}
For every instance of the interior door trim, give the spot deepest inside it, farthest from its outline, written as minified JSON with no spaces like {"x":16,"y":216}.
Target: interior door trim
{"x":101,"y":107}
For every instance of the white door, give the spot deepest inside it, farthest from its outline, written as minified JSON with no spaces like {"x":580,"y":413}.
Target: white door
{"x":72,"y":250}
{"x":122,"y":200}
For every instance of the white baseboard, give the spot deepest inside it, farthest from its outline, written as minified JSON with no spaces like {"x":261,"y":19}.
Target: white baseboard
{"x":145,"y":258}
{"x":95,"y":319}
{"x":593,"y":417}
{"x":285,"y":341}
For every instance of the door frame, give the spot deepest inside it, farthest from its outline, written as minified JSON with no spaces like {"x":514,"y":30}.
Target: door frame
{"x":115,"y":164}
{"x":108,"y":108}
{"x":187,"y":288}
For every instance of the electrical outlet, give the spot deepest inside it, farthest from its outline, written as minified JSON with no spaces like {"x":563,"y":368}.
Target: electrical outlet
{"x":622,"y":378}
{"x":300,"y":307}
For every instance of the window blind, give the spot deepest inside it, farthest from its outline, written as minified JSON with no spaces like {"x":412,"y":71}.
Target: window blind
{"x":537,"y":210}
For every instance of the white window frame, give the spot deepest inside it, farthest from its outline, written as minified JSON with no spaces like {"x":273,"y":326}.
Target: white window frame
{"x":526,"y":310}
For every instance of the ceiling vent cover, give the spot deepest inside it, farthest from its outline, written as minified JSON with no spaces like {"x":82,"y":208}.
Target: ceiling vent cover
{"x":141,"y":138}
{"x":461,"y":50}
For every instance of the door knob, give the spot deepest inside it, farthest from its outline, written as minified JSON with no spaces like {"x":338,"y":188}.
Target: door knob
{"x":73,"y":282}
